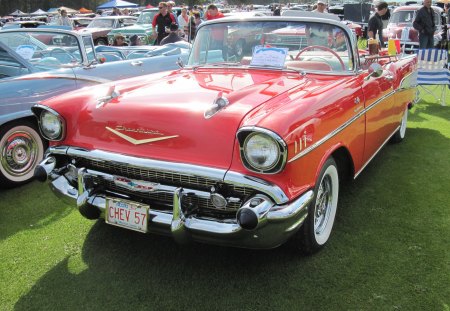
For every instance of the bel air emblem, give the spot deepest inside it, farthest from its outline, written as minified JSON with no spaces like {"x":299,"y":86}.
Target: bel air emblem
{"x":135,"y":185}
{"x":138,"y":141}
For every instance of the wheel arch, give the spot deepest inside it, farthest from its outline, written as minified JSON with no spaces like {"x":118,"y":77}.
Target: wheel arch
{"x":344,"y":162}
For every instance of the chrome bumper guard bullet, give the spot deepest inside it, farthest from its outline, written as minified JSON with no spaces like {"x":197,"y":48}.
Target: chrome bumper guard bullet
{"x":271,"y":224}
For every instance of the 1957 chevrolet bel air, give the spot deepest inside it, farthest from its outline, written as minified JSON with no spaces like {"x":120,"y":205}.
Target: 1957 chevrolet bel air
{"x":244,"y":150}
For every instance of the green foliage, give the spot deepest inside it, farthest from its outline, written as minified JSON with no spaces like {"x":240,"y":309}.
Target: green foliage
{"x":388,"y":251}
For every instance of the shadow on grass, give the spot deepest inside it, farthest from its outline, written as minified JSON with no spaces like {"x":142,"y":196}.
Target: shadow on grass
{"x":34,"y":207}
{"x":373,"y":260}
{"x":429,"y":108}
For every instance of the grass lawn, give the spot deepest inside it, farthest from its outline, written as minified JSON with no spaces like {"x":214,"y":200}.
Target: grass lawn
{"x":390,"y":249}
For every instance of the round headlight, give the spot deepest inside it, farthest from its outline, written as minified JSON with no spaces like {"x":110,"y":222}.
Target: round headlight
{"x":51,"y":125}
{"x":261,"y":151}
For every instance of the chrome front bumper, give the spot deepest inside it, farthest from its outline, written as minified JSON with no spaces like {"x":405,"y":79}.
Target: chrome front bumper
{"x":275,"y":223}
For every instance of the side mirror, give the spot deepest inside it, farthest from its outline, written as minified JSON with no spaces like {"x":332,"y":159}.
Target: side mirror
{"x":375,"y":70}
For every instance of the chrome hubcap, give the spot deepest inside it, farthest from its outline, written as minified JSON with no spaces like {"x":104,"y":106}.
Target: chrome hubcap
{"x":324,"y":201}
{"x":19,"y":153}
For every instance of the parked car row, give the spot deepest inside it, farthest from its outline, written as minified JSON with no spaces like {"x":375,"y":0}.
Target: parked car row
{"x":36,"y":64}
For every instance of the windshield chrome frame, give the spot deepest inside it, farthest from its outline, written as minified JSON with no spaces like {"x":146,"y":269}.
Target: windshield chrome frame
{"x":352,"y":38}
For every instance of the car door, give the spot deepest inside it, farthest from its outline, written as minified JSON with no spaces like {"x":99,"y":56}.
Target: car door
{"x":379,"y":105}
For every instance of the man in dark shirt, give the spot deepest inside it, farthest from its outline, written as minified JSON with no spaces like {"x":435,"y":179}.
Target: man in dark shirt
{"x":173,"y":35}
{"x":376,"y":24}
{"x":424,"y":24}
{"x":163,"y":19}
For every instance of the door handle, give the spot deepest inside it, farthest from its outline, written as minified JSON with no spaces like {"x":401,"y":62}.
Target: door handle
{"x":136,"y":63}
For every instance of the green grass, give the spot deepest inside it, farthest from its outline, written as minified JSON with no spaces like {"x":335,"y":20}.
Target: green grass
{"x":390,"y":249}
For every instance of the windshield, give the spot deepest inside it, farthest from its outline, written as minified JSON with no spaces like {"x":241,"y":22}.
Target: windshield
{"x":308,"y":46}
{"x":44,"y":49}
{"x":407,"y":17}
{"x":102,"y":23}
{"x":146,"y":17}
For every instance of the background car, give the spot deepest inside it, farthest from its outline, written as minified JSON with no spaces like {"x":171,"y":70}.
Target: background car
{"x":142,"y":28}
{"x":245,"y":152}
{"x":400,"y":26}
{"x":40,"y":63}
{"x":99,"y":27}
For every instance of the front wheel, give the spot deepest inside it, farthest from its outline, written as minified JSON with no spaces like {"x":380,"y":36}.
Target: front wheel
{"x":316,"y":230}
{"x":21,"y":149}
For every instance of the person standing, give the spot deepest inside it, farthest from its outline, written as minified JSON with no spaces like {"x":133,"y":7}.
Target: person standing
{"x":320,"y":7}
{"x":375,"y":25}
{"x":163,"y":19}
{"x":64,"y":20}
{"x":183,"y":21}
{"x":213,"y":13}
{"x":424,"y":24}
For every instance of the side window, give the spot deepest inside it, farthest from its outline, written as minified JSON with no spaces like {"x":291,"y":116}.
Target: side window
{"x":9,"y":66}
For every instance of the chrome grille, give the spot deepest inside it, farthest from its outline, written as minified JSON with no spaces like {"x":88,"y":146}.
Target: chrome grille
{"x":164,"y":199}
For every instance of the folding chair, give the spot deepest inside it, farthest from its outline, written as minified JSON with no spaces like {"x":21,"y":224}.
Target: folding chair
{"x":433,"y":73}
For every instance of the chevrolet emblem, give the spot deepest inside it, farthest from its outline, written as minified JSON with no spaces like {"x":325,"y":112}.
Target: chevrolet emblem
{"x":139,"y":141}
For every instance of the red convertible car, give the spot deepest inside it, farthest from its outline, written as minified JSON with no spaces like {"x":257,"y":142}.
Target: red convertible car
{"x":242,"y":150}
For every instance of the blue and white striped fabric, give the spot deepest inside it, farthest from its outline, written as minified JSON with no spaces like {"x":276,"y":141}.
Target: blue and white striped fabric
{"x":432,"y":67}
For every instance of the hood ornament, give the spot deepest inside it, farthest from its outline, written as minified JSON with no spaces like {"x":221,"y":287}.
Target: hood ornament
{"x":138,"y":141}
{"x":110,"y":94}
{"x":218,"y":104}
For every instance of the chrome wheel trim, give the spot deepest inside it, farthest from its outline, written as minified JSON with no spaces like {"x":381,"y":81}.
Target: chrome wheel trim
{"x":403,"y":124}
{"x":21,"y":148}
{"x":325,"y":205}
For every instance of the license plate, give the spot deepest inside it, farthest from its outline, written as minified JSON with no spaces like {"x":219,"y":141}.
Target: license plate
{"x":127,"y":214}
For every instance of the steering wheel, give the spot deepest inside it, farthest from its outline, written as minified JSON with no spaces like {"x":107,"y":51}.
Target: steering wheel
{"x":320,"y":47}
{"x":54,"y":53}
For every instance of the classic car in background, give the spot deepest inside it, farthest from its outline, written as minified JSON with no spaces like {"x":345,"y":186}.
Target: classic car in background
{"x":244,"y":150}
{"x":36,"y":64}
{"x":400,"y":26}
{"x":101,"y":26}
{"x":80,"y":22}
{"x":142,"y":28}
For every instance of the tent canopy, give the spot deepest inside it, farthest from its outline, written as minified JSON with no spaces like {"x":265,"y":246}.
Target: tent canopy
{"x":18,"y":13}
{"x":39,"y":12}
{"x":84,"y":11}
{"x":117,"y":4}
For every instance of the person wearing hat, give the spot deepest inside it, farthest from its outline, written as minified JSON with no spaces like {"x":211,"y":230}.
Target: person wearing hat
{"x":173,"y":35}
{"x":321,"y":5}
{"x":119,"y":40}
{"x":135,"y":40}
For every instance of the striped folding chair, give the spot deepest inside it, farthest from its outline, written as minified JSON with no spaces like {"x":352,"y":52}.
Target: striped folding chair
{"x":433,"y":73}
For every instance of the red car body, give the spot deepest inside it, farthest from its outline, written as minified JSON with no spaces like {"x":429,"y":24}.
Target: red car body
{"x":160,"y":124}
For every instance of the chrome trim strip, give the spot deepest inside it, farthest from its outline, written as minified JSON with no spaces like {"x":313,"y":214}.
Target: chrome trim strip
{"x":220,"y":175}
{"x":258,"y":184}
{"x":340,"y":128}
{"x":376,"y":152}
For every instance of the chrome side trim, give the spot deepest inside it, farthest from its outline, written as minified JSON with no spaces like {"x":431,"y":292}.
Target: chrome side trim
{"x":258,"y":184}
{"x":340,"y":128}
{"x":375,"y":153}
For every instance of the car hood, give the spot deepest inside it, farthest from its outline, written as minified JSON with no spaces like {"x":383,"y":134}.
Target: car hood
{"x":162,"y":116}
{"x":132,"y":29}
{"x":93,"y":30}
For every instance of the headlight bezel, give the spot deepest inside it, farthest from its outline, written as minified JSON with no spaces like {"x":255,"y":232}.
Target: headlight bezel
{"x":40,"y":112}
{"x":246,"y":133}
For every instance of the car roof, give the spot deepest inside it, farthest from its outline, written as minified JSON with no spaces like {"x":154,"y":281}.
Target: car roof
{"x":415,"y":8}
